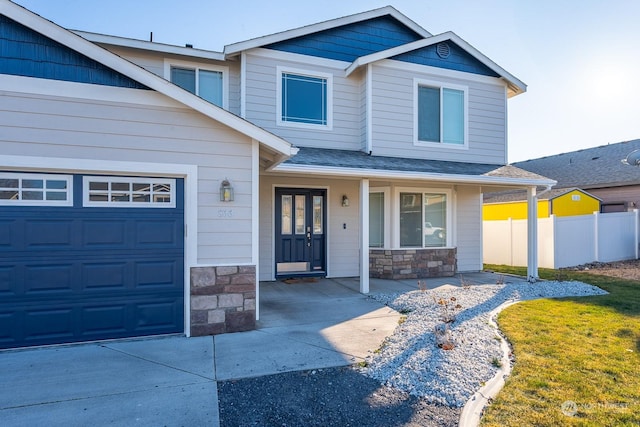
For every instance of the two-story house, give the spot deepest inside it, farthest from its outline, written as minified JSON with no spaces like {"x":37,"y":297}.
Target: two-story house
{"x":148,"y":188}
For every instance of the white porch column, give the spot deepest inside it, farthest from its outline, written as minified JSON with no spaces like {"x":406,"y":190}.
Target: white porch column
{"x":364,"y":236}
{"x":532,"y":234}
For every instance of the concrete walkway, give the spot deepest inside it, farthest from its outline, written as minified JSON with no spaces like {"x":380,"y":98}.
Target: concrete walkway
{"x":172,"y":380}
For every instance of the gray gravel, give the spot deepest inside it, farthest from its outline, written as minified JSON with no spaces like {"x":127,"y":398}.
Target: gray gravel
{"x":410,"y":360}
{"x":409,"y":381}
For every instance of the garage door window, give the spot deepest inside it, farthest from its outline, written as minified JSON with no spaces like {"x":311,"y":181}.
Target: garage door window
{"x":35,"y":189}
{"x":129,"y":192}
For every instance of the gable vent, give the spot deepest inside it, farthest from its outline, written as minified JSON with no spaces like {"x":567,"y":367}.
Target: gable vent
{"x":443,"y":50}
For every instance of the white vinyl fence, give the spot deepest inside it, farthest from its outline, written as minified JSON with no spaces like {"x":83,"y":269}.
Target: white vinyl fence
{"x":564,"y":241}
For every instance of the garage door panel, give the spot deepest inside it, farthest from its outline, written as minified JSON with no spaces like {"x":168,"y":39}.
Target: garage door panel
{"x":48,"y":234}
{"x":105,"y":275}
{"x":44,"y":325}
{"x":6,"y":233}
{"x":158,"y":233}
{"x":157,"y":273}
{"x":8,"y":281}
{"x":105,"y":233}
{"x":154,"y":315}
{"x":105,"y":320}
{"x":46,"y":279}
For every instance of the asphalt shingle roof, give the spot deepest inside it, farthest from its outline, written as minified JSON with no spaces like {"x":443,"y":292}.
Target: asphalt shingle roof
{"x":589,"y":168}
{"x":360,"y":160}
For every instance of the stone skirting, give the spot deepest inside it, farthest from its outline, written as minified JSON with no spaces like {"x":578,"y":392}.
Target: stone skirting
{"x":399,"y":264}
{"x":223,"y":299}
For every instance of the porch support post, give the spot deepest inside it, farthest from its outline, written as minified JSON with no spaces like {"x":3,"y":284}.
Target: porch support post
{"x":364,"y":236}
{"x":532,"y":235}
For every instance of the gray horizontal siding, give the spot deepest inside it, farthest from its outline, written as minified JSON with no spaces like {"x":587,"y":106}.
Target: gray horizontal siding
{"x":393,"y":119}
{"x":261,"y":82}
{"x":83,"y":129}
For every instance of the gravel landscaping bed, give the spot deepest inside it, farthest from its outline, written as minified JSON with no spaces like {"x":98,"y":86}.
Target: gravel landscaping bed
{"x":410,"y":359}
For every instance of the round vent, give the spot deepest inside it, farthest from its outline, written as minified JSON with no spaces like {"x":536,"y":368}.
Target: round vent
{"x":443,"y":50}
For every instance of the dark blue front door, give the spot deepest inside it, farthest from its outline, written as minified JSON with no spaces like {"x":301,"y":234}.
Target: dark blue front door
{"x":78,"y":273}
{"x":300,"y":232}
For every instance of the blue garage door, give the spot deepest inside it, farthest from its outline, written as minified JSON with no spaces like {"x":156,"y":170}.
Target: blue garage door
{"x":87,"y":258}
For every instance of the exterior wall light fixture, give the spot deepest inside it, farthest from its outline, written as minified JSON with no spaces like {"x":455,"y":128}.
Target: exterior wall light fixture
{"x":226,"y":191}
{"x":345,"y":201}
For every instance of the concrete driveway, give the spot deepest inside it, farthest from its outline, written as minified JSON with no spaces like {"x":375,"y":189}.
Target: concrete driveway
{"x":172,"y":380}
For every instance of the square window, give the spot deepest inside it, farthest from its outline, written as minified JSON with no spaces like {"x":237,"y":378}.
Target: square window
{"x":440,"y":114}
{"x":207,"y":84}
{"x":423,"y":220}
{"x":304,"y":100}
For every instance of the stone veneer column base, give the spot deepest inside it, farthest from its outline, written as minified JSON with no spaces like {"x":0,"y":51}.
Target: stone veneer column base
{"x":223,"y":299}
{"x":398,"y":264}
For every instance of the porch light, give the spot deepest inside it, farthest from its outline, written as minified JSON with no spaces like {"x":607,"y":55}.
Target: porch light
{"x":345,"y":201}
{"x":226,"y":191}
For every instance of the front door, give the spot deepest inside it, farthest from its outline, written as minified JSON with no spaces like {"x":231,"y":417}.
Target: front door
{"x":300,"y":232}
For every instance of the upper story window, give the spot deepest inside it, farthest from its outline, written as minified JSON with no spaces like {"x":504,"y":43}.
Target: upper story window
{"x":304,"y":99}
{"x":35,"y":189}
{"x":209,"y":83}
{"x":440,"y":113}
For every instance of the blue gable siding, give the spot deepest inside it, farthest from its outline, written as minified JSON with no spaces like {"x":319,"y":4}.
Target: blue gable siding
{"x":458,"y":60}
{"x":24,"y":52}
{"x":352,"y":41}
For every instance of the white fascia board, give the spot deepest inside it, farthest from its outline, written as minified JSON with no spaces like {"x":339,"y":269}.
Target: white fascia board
{"x":419,"y":176}
{"x":516,"y":85}
{"x":236,"y":48}
{"x":139,"y":74}
{"x":150,"y":46}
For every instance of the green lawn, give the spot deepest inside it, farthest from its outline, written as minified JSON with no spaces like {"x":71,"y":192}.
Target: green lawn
{"x":580,"y":355}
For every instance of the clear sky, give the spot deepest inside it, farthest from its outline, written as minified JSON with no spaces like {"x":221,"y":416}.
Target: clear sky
{"x":580,"y":59}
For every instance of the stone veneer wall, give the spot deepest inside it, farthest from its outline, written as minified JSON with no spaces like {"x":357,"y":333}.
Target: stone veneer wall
{"x":399,"y":264}
{"x":223,"y":299}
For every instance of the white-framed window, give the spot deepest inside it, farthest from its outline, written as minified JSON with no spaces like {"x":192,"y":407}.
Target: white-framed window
{"x":379,"y":217}
{"x":304,"y":98}
{"x":440,"y":113}
{"x":35,"y":189}
{"x":424,"y":218}
{"x":128,"y":192}
{"x":209,"y":82}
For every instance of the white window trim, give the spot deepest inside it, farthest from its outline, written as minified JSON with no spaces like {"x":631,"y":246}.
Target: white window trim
{"x":44,"y":177}
{"x":449,"y":216}
{"x":168,"y":63}
{"x":432,"y":83}
{"x":130,"y":204}
{"x":315,"y":74}
{"x":386,"y":191}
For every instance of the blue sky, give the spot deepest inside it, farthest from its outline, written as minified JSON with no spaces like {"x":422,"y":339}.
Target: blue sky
{"x":580,"y":60}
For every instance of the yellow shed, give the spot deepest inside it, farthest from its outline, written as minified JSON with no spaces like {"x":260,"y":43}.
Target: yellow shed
{"x":559,"y":202}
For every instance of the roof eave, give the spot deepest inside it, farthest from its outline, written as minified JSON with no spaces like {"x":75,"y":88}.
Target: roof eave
{"x":149,"y":46}
{"x":423,"y":176}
